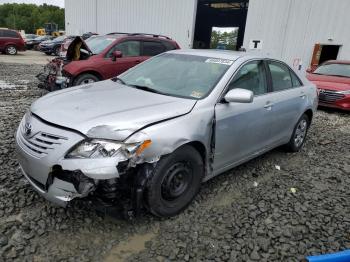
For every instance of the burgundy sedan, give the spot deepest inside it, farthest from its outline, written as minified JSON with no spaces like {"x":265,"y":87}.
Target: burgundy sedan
{"x":332,"y":79}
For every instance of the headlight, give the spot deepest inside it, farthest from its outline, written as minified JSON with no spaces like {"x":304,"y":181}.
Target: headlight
{"x":95,"y":148}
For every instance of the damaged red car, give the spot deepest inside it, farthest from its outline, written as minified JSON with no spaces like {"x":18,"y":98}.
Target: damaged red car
{"x":332,"y":79}
{"x":102,"y":57}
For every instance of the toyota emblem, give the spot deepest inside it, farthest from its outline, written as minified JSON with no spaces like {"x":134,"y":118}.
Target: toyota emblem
{"x":27,"y":129}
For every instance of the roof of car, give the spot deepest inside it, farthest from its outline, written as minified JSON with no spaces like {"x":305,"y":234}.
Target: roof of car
{"x":217,"y":53}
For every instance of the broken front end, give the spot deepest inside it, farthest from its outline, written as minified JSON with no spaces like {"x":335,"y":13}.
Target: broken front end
{"x":53,"y":77}
{"x":63,"y":165}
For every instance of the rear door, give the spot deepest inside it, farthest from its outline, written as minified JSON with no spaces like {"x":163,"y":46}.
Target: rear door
{"x":131,"y":51}
{"x":288,"y":99}
{"x":243,"y":130}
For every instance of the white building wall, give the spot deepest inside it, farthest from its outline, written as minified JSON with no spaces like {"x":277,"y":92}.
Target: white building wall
{"x":175,"y":19}
{"x":289,"y":29}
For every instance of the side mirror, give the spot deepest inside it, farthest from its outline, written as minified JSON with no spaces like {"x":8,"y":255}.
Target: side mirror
{"x":116,"y":54}
{"x":239,"y":95}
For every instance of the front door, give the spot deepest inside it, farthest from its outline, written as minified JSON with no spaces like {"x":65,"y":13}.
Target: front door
{"x":243,"y":130}
{"x":130,"y":57}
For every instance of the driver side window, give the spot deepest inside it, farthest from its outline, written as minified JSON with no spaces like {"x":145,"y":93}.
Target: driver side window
{"x":128,"y":49}
{"x":251,"y":77}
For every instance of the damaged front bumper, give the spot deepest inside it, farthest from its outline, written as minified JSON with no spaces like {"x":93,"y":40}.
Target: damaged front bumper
{"x":59,"y":180}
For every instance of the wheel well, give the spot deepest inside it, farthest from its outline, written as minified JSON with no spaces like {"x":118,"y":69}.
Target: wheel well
{"x":200,"y":148}
{"x":309,"y":114}
{"x":88,"y":72}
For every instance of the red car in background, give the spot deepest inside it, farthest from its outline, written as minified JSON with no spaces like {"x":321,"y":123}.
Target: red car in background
{"x":11,"y":42}
{"x":101,"y":57}
{"x":332,"y":79}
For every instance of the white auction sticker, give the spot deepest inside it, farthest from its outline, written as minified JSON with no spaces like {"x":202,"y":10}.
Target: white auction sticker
{"x":219,"y":61}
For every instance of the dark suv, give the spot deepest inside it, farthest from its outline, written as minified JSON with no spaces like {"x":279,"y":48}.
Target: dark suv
{"x":11,"y":42}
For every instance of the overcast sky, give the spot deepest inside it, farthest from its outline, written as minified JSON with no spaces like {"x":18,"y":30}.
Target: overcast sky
{"x":38,"y":2}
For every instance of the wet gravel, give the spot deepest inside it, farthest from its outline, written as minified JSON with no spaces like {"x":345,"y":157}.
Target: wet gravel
{"x":278,"y":207}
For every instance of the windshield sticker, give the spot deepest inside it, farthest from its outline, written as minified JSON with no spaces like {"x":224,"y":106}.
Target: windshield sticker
{"x":196,"y":94}
{"x":219,"y":61}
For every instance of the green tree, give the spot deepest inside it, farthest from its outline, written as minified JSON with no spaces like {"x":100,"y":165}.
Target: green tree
{"x":29,"y":17}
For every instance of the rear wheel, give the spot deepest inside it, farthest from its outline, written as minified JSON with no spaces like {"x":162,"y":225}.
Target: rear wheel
{"x":86,"y":79}
{"x":11,"y":50}
{"x":175,"y":182}
{"x":298,"y":138}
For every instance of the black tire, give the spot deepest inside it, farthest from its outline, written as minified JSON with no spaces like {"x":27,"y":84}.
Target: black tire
{"x":11,"y":50}
{"x":85,"y":79}
{"x":175,"y":182}
{"x":47,"y":53}
{"x":57,"y":51}
{"x":298,"y":138}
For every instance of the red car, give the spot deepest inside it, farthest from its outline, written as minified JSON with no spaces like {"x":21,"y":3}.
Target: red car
{"x":332,"y":79}
{"x":11,"y":42}
{"x":103,"y":57}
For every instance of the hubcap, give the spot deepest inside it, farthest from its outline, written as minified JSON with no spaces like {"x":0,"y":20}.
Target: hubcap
{"x":176,"y":181}
{"x":300,"y":133}
{"x":11,"y":50}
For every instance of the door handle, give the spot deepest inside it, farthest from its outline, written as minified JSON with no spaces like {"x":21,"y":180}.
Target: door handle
{"x":302,"y":95}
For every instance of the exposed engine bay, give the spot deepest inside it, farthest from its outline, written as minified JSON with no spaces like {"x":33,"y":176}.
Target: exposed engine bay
{"x":52,"y":77}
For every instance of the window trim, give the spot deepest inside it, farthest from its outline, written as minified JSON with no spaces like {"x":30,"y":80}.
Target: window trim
{"x":290,"y":74}
{"x":124,"y":41}
{"x":152,"y":41}
{"x":222,"y":95}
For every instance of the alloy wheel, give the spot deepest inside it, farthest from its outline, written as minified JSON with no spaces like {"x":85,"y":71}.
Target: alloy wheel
{"x":300,"y":133}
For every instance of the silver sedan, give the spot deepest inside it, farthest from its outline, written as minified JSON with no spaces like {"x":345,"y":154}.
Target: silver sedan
{"x":159,"y":130}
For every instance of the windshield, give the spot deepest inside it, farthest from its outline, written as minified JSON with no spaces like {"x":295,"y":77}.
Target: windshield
{"x":179,"y":75}
{"x":98,"y":44}
{"x":342,"y":70}
{"x":60,"y":38}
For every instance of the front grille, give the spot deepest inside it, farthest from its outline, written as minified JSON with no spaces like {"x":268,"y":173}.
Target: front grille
{"x":329,"y":96}
{"x":40,"y":144}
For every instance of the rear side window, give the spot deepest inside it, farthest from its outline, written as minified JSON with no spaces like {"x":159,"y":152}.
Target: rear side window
{"x":152,"y":48}
{"x":169,"y":46}
{"x":281,"y":77}
{"x":8,"y":33}
{"x":295,"y":80}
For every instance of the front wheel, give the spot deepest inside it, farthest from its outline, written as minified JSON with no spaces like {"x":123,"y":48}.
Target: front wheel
{"x":175,"y":182}
{"x":86,"y":79}
{"x":298,"y":138}
{"x":11,"y":50}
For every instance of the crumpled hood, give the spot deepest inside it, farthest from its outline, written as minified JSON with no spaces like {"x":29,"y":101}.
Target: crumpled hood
{"x":108,"y":109}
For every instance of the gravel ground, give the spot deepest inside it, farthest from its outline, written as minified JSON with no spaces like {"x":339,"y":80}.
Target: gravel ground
{"x":278,"y":207}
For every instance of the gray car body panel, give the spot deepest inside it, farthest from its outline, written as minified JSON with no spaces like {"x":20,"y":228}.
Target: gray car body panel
{"x":231,"y":133}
